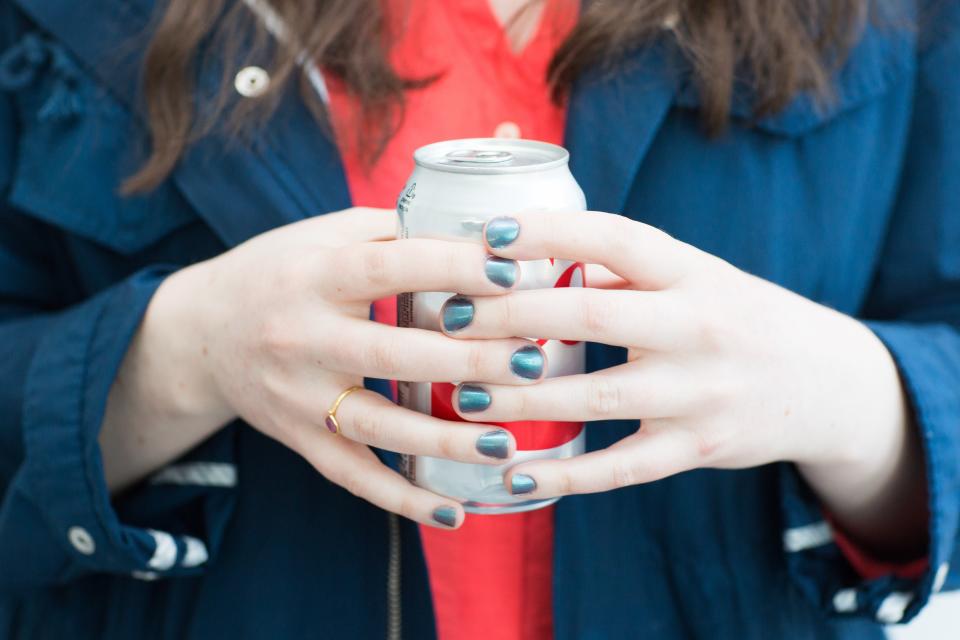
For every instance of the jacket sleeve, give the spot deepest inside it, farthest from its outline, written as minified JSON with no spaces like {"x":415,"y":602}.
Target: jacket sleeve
{"x":58,"y":359}
{"x":914,"y":308}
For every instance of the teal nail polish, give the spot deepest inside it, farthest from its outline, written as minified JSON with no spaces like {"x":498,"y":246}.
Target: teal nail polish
{"x":495,"y":444}
{"x":471,"y":398}
{"x":502,"y":231}
{"x":457,"y":313}
{"x":527,"y":362}
{"x":501,"y":271}
{"x":521,"y":483}
{"x":446,"y":516}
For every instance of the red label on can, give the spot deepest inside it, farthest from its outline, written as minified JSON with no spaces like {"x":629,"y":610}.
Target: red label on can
{"x":531,"y":435}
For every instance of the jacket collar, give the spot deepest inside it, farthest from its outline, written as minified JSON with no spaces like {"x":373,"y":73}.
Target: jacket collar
{"x":293,"y":169}
{"x":611,"y":121}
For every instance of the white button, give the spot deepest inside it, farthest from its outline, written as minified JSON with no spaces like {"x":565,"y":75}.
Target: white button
{"x":251,"y":82}
{"x":845,"y":601}
{"x":507,"y":129}
{"x":671,"y":21}
{"x":81,"y":540}
{"x":893,"y":607}
{"x":941,"y":577}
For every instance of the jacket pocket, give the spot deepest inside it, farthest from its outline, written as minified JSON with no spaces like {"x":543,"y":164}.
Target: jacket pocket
{"x":884,"y":55}
{"x":75,"y":145}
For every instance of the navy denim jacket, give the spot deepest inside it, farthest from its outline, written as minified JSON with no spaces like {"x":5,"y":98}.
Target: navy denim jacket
{"x":855,"y":205}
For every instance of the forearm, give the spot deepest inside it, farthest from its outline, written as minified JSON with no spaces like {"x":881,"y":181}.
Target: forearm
{"x":877,"y":495}
{"x":162,"y":402}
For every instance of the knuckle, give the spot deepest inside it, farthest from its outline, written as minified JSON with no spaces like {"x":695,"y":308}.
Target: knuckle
{"x":623,"y":475}
{"x":508,"y":312}
{"x":565,"y":484}
{"x":604,"y":397}
{"x":374,"y":265}
{"x":597,"y":314}
{"x":368,"y":427}
{"x":276,"y":336}
{"x":447,"y":445}
{"x":711,"y":333}
{"x":383,"y":356}
{"x":476,"y":361}
{"x":407,"y":507}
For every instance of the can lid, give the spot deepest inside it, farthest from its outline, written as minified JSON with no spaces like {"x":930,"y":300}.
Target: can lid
{"x":490,"y":156}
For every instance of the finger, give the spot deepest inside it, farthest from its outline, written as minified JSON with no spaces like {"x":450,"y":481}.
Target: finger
{"x":368,"y":417}
{"x":597,"y":276}
{"x":371,"y":349}
{"x":373,"y":270}
{"x":643,"y":255}
{"x":625,"y":318}
{"x":357,"y":469}
{"x":627,"y":392}
{"x":357,"y":224}
{"x":642,"y":457}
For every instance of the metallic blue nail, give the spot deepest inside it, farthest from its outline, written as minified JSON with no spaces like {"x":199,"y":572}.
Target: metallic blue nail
{"x":527,"y":362}
{"x":521,"y":483}
{"x":446,"y":516}
{"x":456,"y":313}
{"x":495,"y":444}
{"x":502,"y":271}
{"x":472,"y":398}
{"x":502,"y":231}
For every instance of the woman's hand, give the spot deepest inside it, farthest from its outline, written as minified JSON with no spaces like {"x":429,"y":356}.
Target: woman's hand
{"x":275,"y":329}
{"x":724,"y":370}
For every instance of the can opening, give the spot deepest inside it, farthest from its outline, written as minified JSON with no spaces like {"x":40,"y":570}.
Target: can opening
{"x":480,"y":156}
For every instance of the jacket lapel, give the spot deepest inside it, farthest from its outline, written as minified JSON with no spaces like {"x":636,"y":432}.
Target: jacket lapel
{"x":290,"y":171}
{"x":612,"y":119}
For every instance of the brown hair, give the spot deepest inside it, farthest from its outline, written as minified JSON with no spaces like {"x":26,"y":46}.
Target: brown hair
{"x":777,"y":47}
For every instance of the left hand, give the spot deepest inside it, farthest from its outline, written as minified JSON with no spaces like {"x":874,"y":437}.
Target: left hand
{"x":724,"y":369}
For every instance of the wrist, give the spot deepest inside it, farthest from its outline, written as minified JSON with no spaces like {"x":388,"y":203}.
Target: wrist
{"x":172,"y":343}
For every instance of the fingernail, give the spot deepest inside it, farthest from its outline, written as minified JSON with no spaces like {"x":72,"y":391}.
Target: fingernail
{"x":521,"y":483}
{"x":495,"y":444}
{"x":502,"y":231}
{"x":501,"y":271}
{"x":446,"y":516}
{"x":472,"y":398}
{"x":457,"y":313}
{"x":527,"y":362}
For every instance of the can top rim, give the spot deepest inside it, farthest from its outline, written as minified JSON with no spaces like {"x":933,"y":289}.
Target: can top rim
{"x":453,"y":156}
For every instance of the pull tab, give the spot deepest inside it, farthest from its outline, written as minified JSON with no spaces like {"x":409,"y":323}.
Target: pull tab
{"x":480,"y":156}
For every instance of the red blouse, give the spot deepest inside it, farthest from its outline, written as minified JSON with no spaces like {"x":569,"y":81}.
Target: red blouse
{"x":492,"y":578}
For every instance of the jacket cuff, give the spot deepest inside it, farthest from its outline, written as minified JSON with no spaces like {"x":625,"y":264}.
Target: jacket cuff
{"x":928,"y":359}
{"x":58,"y":512}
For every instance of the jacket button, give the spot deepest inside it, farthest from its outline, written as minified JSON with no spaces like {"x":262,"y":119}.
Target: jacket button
{"x":507,"y":129}
{"x":251,"y":82}
{"x":81,"y":540}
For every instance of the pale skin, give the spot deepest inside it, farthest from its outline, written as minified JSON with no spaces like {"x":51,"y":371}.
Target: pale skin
{"x":725,"y":370}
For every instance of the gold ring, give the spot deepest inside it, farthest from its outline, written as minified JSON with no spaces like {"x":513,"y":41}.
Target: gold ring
{"x":331,"y":420}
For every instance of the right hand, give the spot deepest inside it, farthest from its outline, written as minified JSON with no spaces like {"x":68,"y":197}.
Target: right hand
{"x":283,"y":321}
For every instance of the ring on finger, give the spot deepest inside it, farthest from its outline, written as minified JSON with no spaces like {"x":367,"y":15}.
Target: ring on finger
{"x":331,"y":420}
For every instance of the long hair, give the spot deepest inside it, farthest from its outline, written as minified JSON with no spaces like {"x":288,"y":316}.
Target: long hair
{"x":779,"y":47}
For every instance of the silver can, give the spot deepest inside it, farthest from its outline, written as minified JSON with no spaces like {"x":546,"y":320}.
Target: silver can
{"x":455,"y":188}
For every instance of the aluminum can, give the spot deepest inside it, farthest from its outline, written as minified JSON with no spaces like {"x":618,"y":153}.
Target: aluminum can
{"x":456,"y":186}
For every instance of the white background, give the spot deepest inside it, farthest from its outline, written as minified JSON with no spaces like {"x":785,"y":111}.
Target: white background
{"x":939,"y":621}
